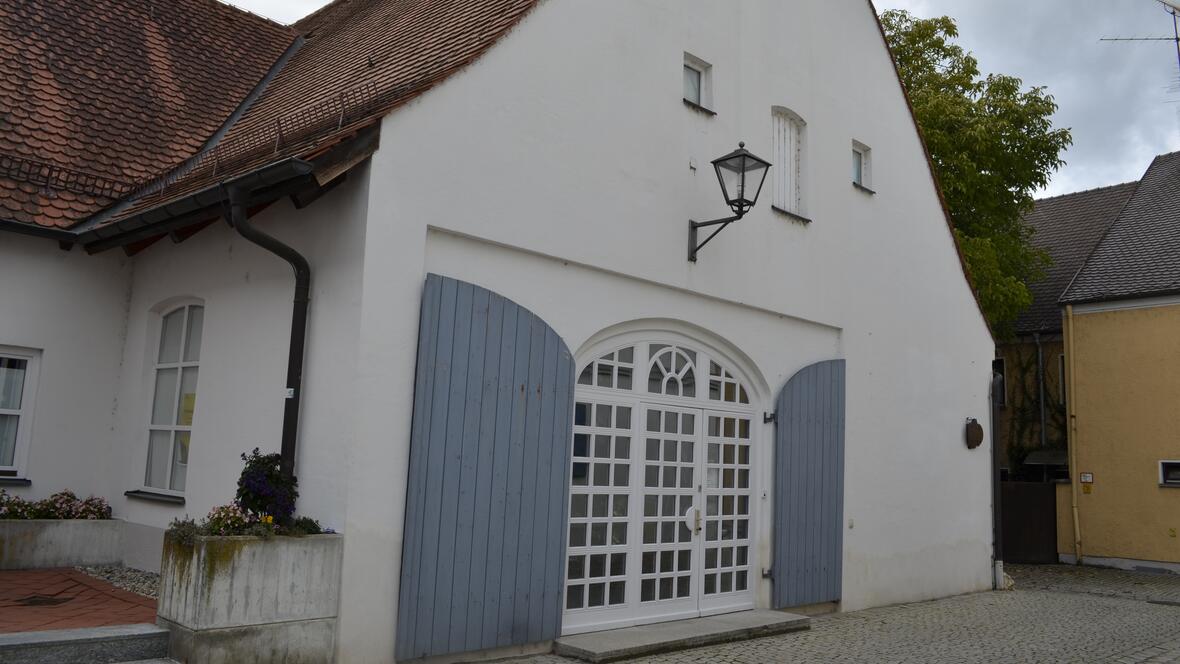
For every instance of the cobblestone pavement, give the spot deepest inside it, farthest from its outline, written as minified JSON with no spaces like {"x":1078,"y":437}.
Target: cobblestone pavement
{"x":1055,"y":614}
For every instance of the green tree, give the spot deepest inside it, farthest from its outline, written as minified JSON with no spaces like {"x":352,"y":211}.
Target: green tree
{"x":993,"y":145}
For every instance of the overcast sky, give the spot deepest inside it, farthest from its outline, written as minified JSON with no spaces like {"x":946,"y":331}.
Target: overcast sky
{"x":1122,"y":99}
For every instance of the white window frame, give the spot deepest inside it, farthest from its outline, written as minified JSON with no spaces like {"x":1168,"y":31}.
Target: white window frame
{"x":789,"y":131}
{"x":160,"y":313}
{"x":1163,"y":464}
{"x":24,"y":430}
{"x":705,"y":70}
{"x":866,"y":166}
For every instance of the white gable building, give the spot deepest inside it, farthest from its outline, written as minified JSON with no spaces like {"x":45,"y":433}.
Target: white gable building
{"x":523,"y":406}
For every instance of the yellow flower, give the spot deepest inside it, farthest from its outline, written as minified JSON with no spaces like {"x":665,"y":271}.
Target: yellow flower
{"x":268,"y":519}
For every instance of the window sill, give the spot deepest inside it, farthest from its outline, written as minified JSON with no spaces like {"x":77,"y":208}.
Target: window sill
{"x":154,"y":497}
{"x":1172,"y":485}
{"x":698,"y":108}
{"x":861,"y":187}
{"x":791,"y":215}
{"x":15,"y":481}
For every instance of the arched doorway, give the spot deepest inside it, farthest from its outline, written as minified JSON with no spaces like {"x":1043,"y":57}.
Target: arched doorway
{"x":662,"y":485}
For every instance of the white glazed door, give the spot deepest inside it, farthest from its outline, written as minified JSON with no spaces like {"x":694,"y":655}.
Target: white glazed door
{"x":661,"y":492}
{"x":669,"y":545}
{"x":726,"y":537}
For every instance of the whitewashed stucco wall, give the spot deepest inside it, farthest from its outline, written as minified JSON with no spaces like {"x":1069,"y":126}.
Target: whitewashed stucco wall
{"x":72,"y":307}
{"x":568,"y":188}
{"x":248,"y":293}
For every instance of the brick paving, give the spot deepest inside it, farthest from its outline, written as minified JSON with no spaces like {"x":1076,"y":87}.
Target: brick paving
{"x":1055,"y":614}
{"x":43,"y":599}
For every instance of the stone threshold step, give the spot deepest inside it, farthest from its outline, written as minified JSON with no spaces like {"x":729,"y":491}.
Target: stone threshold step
{"x":91,"y":645}
{"x":617,"y":644}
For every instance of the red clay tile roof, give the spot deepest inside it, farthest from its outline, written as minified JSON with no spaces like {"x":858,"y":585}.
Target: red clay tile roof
{"x":360,"y":59}
{"x":100,"y":96}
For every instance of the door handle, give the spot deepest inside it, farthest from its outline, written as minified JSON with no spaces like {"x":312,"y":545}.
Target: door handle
{"x":696,"y":521}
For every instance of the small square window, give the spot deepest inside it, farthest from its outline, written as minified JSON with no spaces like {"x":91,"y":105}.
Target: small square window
{"x":1170,"y":473}
{"x":698,"y":84}
{"x":862,"y":166}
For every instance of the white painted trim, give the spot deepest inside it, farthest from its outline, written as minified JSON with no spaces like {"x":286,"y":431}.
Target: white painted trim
{"x":24,"y":431}
{"x":1121,"y":305}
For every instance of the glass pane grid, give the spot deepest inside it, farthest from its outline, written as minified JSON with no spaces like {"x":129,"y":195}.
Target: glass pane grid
{"x":727,"y":519}
{"x":669,"y":489}
{"x":174,"y":399}
{"x":600,"y":506}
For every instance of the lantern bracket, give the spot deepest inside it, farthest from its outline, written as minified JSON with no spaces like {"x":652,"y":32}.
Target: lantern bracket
{"x":693,"y":246}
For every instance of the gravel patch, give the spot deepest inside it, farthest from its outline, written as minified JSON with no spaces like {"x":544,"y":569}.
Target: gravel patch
{"x":127,"y":578}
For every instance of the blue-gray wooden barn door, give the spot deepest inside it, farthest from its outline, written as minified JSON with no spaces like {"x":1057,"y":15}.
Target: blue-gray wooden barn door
{"x":809,"y":487}
{"x":488,"y":491}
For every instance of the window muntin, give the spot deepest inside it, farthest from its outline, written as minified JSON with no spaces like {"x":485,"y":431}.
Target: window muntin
{"x":174,"y":398}
{"x":787,"y":176}
{"x":18,"y":369}
{"x":1170,"y":473}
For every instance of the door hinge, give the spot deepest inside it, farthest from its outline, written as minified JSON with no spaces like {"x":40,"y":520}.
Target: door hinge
{"x":767,"y":418}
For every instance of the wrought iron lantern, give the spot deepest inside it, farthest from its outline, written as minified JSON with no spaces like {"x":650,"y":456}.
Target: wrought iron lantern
{"x":741,"y":175}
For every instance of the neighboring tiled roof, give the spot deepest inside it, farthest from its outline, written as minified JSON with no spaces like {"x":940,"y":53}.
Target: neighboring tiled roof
{"x":1140,"y":254}
{"x":1068,"y":228}
{"x":97,"y":96}
{"x":360,"y":59}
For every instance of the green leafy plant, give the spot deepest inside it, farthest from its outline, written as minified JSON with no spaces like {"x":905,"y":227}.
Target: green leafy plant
{"x":265,"y":490}
{"x":992,"y":144}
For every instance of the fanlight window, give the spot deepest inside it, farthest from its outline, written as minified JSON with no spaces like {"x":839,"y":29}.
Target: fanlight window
{"x":672,"y":372}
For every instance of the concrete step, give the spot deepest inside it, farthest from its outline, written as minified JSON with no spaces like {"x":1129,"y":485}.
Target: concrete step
{"x":617,"y":644}
{"x":92,"y":645}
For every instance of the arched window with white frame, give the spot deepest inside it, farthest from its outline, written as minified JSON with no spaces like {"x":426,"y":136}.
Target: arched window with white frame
{"x":174,"y":397}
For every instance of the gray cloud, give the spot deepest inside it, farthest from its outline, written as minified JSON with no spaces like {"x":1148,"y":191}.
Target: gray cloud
{"x":1122,"y":100}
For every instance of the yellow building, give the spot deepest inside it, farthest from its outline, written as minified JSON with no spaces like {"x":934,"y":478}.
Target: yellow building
{"x":1122,"y":353}
{"x":1031,"y":425}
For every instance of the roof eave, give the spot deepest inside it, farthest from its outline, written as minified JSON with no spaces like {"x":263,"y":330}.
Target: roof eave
{"x":155,"y":220}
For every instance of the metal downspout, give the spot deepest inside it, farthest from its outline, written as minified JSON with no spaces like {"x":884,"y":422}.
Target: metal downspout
{"x":1071,"y":400}
{"x":997,"y":389}
{"x":238,"y":197}
{"x":1040,"y":384}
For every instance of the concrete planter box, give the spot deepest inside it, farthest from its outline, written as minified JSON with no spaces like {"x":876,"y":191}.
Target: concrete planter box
{"x":246,"y":599}
{"x":26,"y":544}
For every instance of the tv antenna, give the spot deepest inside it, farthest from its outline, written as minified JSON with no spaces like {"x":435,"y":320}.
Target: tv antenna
{"x":1171,"y":7}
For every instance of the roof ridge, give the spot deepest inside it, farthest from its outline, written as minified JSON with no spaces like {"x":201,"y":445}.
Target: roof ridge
{"x":1088,"y":191}
{"x":243,"y":10}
